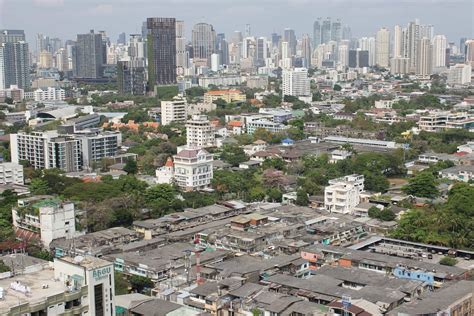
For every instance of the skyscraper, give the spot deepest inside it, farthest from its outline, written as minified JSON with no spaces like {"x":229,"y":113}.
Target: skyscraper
{"x":296,"y":82}
{"x":290,"y":37}
{"x":131,"y":77}
{"x":346,"y":32}
{"x":12,"y":36}
{"x":89,"y":56}
{"x":181,"y":62}
{"x":122,"y":39}
{"x":336,"y":31}
{"x":382,"y":48}
{"x":397,"y":41}
{"x":317,"y":33}
{"x":368,"y":44}
{"x":306,"y":50}
{"x":462,"y":45}
{"x":262,"y":51}
{"x":469,"y":54}
{"x":412,"y":38}
{"x":343,"y":55}
{"x":439,"y":51}
{"x":14,"y":65}
{"x":275,"y":39}
{"x":222,"y":49}
{"x":161,"y":51}
{"x":14,"y":59}
{"x":326,"y":31}
{"x":424,"y":63}
{"x":204,"y":43}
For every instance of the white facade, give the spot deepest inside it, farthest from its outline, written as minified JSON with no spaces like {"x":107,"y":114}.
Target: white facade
{"x":440,"y":120}
{"x":94,"y":273}
{"x":341,"y":197}
{"x":51,"y":218}
{"x":47,"y":150}
{"x":439,"y":51}
{"x":268,"y":125}
{"x":384,"y":104}
{"x":193,"y":169}
{"x":11,"y":173}
{"x":459,"y":74}
{"x":424,"y":64}
{"x":50,"y":94}
{"x":382,"y":48}
{"x":175,"y":111}
{"x":165,"y":174}
{"x":296,"y":82}
{"x":199,"y":132}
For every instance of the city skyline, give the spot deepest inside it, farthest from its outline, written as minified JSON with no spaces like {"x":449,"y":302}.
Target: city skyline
{"x":264,"y":17}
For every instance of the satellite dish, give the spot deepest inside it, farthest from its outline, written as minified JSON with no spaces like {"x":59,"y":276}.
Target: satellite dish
{"x":78,"y":259}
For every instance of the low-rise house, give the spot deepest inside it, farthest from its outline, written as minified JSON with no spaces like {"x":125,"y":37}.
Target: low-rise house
{"x":458,"y":173}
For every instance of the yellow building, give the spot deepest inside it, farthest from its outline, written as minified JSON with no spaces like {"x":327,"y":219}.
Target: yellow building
{"x":226,"y":95}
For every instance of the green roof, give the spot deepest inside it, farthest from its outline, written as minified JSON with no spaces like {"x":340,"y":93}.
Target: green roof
{"x":47,"y":203}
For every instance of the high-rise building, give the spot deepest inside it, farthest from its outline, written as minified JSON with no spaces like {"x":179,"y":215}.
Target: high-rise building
{"x":161,"y":51}
{"x":181,"y":60}
{"x":326,"y":31}
{"x":222,"y":49}
{"x":261,"y":51}
{"x":439,"y":51}
{"x":358,"y":58}
{"x":306,"y":51}
{"x":42,"y":44}
{"x":199,"y":132}
{"x":296,"y":82}
{"x":204,"y":43}
{"x":346,"y":32}
{"x":175,"y":111}
{"x":343,"y":55}
{"x":89,"y":56}
{"x":400,"y":65}
{"x":427,"y":31}
{"x":14,"y":64}
{"x":424,"y":64}
{"x":459,"y":74}
{"x":397,"y":41}
{"x":368,"y":44}
{"x":382,"y":48}
{"x":469,"y":52}
{"x":12,"y":36}
{"x":290,"y":37}
{"x":412,"y":39}
{"x":131,"y":77}
{"x":45,"y":60}
{"x":336,"y":31}
{"x":47,"y":150}
{"x":122,"y":38}
{"x":462,"y":46}
{"x":276,"y":38}
{"x":136,"y":47}
{"x":317,"y":33}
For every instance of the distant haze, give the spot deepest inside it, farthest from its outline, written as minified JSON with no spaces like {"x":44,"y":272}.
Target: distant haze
{"x":66,"y":18}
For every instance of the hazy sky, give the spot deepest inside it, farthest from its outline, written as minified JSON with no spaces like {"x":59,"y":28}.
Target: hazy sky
{"x":66,"y":18}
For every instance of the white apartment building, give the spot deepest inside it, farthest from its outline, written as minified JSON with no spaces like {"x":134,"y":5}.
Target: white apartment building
{"x":356,"y":179}
{"x":49,"y":94}
{"x":199,"y":132}
{"x":341,"y":197}
{"x":268,"y":125}
{"x":440,"y":120}
{"x":193,"y":169}
{"x":459,"y":74}
{"x":165,"y":174}
{"x":384,"y":104}
{"x":70,"y":286}
{"x":11,"y":173}
{"x":296,"y":82}
{"x":50,"y":218}
{"x":47,"y":150}
{"x":175,"y":111}
{"x":95,"y":146}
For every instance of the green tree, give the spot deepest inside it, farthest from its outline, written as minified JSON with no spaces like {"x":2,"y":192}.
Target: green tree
{"x":274,"y":163}
{"x":302,"y":198}
{"x":337,"y":87}
{"x":121,"y":283}
{"x":274,"y":195}
{"x":39,"y":186}
{"x":422,"y":185}
{"x":233,"y":155}
{"x":140,"y":283}
{"x":131,"y":166}
{"x":448,"y":261}
{"x":4,"y":267}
